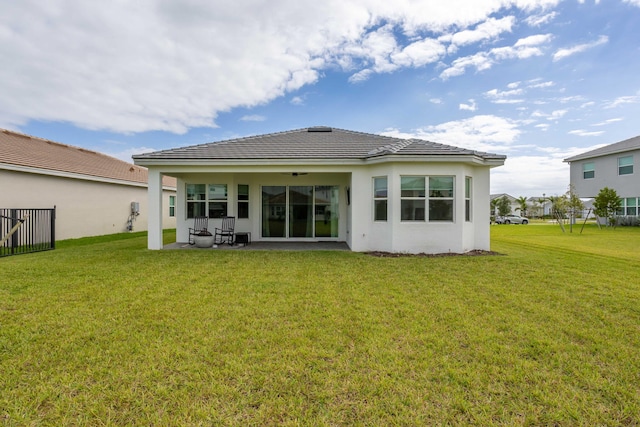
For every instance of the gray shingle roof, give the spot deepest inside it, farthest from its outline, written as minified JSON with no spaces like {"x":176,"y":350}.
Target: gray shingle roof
{"x":312,"y":143}
{"x":618,"y":147}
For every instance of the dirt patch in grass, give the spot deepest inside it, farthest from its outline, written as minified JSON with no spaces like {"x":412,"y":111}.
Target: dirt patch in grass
{"x":440,"y":255}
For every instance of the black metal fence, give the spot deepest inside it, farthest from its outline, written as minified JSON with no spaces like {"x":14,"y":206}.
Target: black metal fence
{"x":23,"y":231}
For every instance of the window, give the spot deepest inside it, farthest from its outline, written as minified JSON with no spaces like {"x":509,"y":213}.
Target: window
{"x":217,"y":200}
{"x":206,"y":200}
{"x":412,"y":198}
{"x":441,"y":198}
{"x":631,"y":206}
{"x":467,"y":198}
{"x":625,"y":165}
{"x":588,"y":170}
{"x":172,"y":205}
{"x":196,"y":200}
{"x":243,"y":201}
{"x":380,"y":199}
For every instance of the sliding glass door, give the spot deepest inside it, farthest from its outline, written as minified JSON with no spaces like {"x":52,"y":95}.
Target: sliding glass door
{"x":326,"y":209}
{"x":274,"y":211}
{"x":300,"y":211}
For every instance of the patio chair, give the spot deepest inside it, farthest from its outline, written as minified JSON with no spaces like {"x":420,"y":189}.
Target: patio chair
{"x":226,"y":232}
{"x":200,"y":223}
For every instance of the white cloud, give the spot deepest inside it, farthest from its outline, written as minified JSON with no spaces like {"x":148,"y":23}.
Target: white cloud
{"x":581,"y":132}
{"x":297,"y":100}
{"x":538,"y":20}
{"x":522,"y":49}
{"x":557,"y":114}
{"x":504,"y":97}
{"x":436,"y":101}
{"x":495,"y":93}
{"x":566,"y":52}
{"x":360,"y":76}
{"x":253,"y":118}
{"x":170,"y":66}
{"x":480,"y":61}
{"x":535,"y":40}
{"x":125,"y":155}
{"x":608,"y":122}
{"x":487,"y":30}
{"x":622,"y":100}
{"x":482,"y":132}
{"x":542,"y":85}
{"x":633,"y":2}
{"x":420,"y":53}
{"x":531,"y":175}
{"x":471,"y":106}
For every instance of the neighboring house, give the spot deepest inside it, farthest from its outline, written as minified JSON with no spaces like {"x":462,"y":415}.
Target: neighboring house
{"x":513,"y":203}
{"x":373,"y":192}
{"x":539,"y":206}
{"x":92,"y":192}
{"x":614,"y":166}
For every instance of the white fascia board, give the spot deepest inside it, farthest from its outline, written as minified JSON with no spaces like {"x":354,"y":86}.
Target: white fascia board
{"x":71,"y":175}
{"x":182,"y":165}
{"x":476,"y":160}
{"x":244,"y":162}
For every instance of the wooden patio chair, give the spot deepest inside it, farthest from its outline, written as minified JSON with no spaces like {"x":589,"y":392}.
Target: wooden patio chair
{"x":226,"y":232}
{"x":200,"y":223}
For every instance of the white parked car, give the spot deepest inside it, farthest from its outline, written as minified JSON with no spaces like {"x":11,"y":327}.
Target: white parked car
{"x":512,"y":219}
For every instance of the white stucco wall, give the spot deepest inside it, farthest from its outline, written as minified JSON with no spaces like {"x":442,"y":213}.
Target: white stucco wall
{"x":357,"y":227}
{"x":395,"y":235}
{"x":83,"y":208}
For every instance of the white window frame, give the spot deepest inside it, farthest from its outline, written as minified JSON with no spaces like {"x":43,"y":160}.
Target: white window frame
{"x":421,"y":197}
{"x":468,"y":188}
{"x":588,"y":167}
{"x":380,"y":198}
{"x":172,"y":205}
{"x":433,"y":198}
{"x":208,"y":200}
{"x":622,"y":163}
{"x":242,"y":201}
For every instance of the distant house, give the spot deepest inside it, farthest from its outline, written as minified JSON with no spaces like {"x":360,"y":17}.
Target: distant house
{"x":539,"y":206}
{"x":373,"y":192}
{"x":94,"y":194}
{"x":513,"y":203}
{"x":614,"y":166}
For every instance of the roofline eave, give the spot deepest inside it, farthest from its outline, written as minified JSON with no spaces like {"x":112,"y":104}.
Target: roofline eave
{"x":341,"y":161}
{"x":75,"y":175}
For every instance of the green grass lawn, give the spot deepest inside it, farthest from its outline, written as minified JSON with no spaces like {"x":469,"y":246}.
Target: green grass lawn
{"x":104,"y":332}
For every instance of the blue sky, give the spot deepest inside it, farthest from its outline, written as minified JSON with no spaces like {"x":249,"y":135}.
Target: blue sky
{"x":536,"y":80}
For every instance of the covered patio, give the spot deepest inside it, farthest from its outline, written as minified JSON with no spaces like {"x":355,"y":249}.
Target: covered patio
{"x":267,"y":246}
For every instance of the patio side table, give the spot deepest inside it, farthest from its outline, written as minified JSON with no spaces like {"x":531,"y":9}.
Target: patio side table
{"x":243,"y":238}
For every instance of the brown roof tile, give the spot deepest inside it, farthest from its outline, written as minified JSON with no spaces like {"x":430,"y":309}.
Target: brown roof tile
{"x":29,"y":151}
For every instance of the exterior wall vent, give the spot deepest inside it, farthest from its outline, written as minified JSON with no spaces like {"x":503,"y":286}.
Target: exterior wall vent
{"x":320,"y":129}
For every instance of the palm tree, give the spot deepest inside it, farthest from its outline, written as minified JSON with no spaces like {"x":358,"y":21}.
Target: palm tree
{"x":522,"y":205}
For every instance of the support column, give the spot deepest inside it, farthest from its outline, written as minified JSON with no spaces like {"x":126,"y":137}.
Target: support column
{"x":154,"y":239}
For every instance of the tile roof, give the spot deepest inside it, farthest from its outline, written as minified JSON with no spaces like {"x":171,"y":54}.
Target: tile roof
{"x":311,"y":143}
{"x":29,"y":151}
{"x":618,"y":147}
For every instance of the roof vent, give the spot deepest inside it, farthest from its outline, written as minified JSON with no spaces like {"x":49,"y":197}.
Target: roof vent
{"x":320,"y":129}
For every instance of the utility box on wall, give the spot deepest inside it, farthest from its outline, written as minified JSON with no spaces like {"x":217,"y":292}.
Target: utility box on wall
{"x":135,"y":208}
